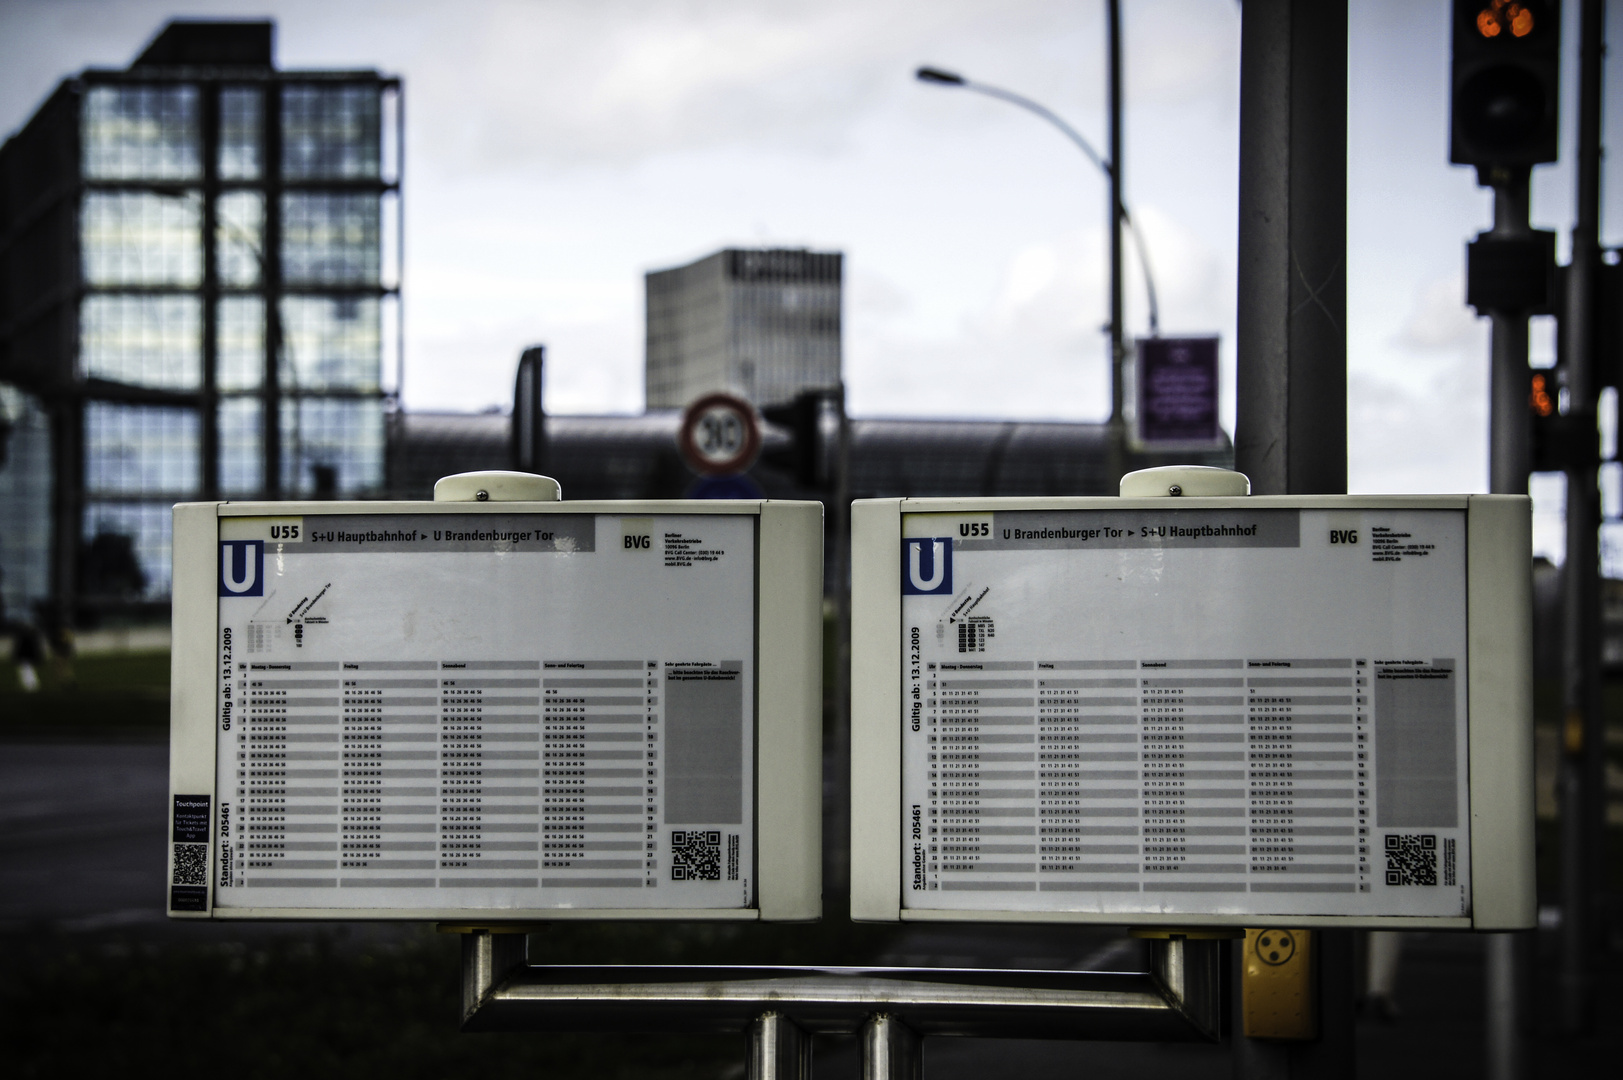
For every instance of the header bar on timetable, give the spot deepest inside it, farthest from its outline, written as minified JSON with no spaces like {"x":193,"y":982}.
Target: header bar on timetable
{"x":434,"y":533}
{"x":1024,"y":530}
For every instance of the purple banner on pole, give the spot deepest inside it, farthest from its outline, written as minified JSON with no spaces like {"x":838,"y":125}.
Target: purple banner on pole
{"x":1177,"y":390}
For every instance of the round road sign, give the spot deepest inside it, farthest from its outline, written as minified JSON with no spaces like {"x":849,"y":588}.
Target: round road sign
{"x":720,"y":436}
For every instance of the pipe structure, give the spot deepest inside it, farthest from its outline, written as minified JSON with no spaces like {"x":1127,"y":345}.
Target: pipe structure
{"x":778,"y":1050}
{"x":1179,"y":1000}
{"x":890,"y":1050}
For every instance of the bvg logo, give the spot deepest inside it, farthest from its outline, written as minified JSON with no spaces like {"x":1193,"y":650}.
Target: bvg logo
{"x":242,"y":568}
{"x":927,"y":566}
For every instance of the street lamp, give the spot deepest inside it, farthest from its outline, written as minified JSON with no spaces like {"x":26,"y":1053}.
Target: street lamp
{"x":938,"y":77}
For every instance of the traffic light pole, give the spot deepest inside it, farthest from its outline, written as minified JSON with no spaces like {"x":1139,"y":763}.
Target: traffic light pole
{"x":1508,"y":982}
{"x":1582,"y":777}
{"x":1291,"y":429}
{"x":1118,"y":336}
{"x":1509,"y":423}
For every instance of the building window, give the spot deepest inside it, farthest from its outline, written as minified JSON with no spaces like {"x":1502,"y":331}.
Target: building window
{"x":330,"y":132}
{"x":25,"y":503}
{"x":332,"y":447}
{"x":330,"y":239}
{"x":151,"y":341}
{"x":140,"y":450}
{"x":240,"y":343}
{"x":142,"y":238}
{"x":242,"y":442}
{"x":141,"y":133}
{"x":239,"y":237}
{"x":242,"y":113}
{"x":331,"y":343}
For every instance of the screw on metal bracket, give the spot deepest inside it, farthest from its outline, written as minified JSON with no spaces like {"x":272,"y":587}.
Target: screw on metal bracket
{"x":481,"y":495}
{"x":1175,"y":489}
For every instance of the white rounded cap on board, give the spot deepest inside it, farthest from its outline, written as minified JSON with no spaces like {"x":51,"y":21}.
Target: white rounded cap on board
{"x":1190,"y":480}
{"x":497,"y":485}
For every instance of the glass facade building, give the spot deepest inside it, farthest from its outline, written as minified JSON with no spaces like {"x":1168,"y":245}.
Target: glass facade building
{"x":199,"y":299}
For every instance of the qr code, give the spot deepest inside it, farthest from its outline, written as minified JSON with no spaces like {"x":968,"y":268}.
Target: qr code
{"x":695,"y":855}
{"x":191,"y":864}
{"x":1411,"y":859}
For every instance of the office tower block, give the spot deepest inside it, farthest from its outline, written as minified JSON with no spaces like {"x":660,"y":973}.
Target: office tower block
{"x":764,"y":324}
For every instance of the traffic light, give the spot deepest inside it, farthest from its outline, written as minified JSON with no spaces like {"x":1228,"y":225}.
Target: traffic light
{"x":1558,"y":441}
{"x":813,"y":423}
{"x":1504,"y":109}
{"x":1512,"y":275}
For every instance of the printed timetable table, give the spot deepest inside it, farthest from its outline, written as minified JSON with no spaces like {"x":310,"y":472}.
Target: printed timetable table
{"x":1210,"y":776}
{"x":1182,"y":710}
{"x":420,"y":773}
{"x":575,"y":740}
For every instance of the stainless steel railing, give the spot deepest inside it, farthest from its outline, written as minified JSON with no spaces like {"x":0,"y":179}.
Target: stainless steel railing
{"x":1179,"y":999}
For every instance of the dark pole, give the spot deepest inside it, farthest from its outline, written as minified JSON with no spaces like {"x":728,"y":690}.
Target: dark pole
{"x":209,"y":397}
{"x":271,"y":281}
{"x":1508,"y":963}
{"x":1291,"y":434}
{"x":1118,"y":347}
{"x":1291,"y":429}
{"x":1509,"y":424}
{"x":1583,"y":835}
{"x":1117,"y":339}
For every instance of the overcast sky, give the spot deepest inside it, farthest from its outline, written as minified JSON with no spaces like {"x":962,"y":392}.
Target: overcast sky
{"x":557,"y":150}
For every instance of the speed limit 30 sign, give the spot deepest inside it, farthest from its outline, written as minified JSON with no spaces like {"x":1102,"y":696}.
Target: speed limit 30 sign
{"x":720,"y":436}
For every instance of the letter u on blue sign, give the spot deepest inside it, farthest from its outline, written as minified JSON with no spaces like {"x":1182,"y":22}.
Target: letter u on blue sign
{"x":242,"y":568}
{"x":927,"y":566}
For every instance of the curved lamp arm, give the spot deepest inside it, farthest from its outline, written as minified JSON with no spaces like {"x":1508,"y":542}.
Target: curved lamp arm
{"x":948,"y":78}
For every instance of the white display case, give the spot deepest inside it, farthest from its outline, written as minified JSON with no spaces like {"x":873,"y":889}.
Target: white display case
{"x":488,"y":711}
{"x":1304,"y":711}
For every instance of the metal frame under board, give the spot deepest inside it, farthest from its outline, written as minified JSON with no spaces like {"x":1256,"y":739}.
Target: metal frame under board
{"x":1180,"y":999}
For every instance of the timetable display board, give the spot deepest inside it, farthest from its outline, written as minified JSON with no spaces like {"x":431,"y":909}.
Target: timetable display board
{"x":470,"y":710}
{"x":1167,"y":709}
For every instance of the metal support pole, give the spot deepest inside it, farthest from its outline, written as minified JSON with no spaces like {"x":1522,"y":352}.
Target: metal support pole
{"x":1507,"y":1003}
{"x":1118,"y":348}
{"x":1583,"y":836}
{"x":1507,"y":964}
{"x":487,"y":961}
{"x":891,"y":1050}
{"x":271,"y":280}
{"x":1291,"y":434}
{"x":1510,"y":421}
{"x":837,"y":837}
{"x":778,"y":1050}
{"x":208,"y":484}
{"x":1118,"y":341}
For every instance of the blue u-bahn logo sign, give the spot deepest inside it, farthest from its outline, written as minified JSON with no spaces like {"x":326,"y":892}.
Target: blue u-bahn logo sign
{"x":242,"y":568}
{"x":927,"y":566}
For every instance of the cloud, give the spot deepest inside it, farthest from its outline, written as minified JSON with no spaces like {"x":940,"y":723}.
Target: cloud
{"x":572,"y":84}
{"x":1439,"y":321}
{"x":1180,"y":49}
